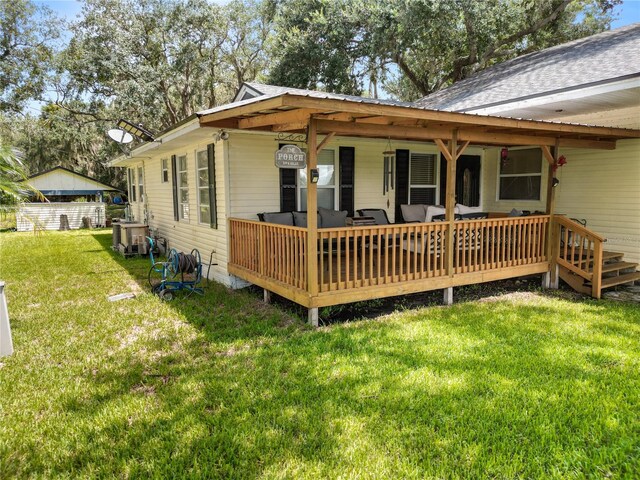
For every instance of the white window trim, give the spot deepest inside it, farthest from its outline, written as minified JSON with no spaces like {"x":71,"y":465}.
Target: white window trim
{"x":436,"y":175}
{"x":335,"y":186}
{"x":139,"y":179}
{"x":510,"y":175}
{"x":181,"y":218}
{"x":198,"y":187}
{"x":163,"y":169}
{"x":132,"y":177}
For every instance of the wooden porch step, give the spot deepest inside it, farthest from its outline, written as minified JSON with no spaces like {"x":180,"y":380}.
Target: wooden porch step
{"x":617,"y":267}
{"x":607,"y":256}
{"x":620,"y":279}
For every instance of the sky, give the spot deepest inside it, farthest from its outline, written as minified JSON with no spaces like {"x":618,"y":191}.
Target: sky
{"x":629,"y":11}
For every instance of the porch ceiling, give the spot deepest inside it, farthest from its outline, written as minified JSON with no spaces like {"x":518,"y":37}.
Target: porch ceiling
{"x":379,"y":119}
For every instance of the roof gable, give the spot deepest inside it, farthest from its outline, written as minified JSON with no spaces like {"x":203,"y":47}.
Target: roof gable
{"x":63,"y":179}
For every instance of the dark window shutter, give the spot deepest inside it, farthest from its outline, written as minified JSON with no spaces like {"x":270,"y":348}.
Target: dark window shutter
{"x":288,"y":184}
{"x":347,"y":179}
{"x":174,"y":181}
{"x":211,"y":156}
{"x":402,"y":182}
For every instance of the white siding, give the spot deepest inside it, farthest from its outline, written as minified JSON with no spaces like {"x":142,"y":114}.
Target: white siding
{"x":255,"y":182}
{"x":603,"y":187}
{"x":185,"y":235}
{"x":47,"y":215}
{"x":63,"y":180}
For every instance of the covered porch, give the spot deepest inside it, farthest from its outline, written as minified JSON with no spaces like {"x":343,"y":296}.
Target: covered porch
{"x":319,"y":267}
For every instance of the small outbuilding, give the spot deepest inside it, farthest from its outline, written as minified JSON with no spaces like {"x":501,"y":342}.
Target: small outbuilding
{"x":68,"y":194}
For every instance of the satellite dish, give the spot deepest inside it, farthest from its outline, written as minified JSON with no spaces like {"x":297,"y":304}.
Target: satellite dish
{"x":120,"y":136}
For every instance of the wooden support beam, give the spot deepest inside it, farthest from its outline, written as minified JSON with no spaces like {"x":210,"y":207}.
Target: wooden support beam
{"x":289,"y":127}
{"x":312,"y":210}
{"x":546,"y":151}
{"x":324,"y":141}
{"x":553,"y":239}
{"x":462,"y":148}
{"x":432,"y":133}
{"x":254,"y":107}
{"x":452,"y":117}
{"x":451,"y":200}
{"x":289,"y":116}
{"x":444,"y":149}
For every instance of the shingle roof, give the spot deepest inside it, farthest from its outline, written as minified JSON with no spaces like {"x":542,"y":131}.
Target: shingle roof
{"x":600,"y":58}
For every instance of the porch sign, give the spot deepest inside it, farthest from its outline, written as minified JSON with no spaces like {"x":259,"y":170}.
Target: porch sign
{"x":290,"y":156}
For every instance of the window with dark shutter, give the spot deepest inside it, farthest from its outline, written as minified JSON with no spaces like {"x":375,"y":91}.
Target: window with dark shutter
{"x":288,"y":188}
{"x":211,"y":154}
{"x":402,"y":181}
{"x":347,"y":179}
{"x":174,"y":182}
{"x":288,"y":185}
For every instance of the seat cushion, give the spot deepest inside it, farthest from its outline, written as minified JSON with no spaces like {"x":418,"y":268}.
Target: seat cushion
{"x":281,"y":218}
{"x":413,"y":213}
{"x":463,"y":209}
{"x":332,"y":218}
{"x":300,"y":219}
{"x":378,"y":215}
{"x":433,"y":211}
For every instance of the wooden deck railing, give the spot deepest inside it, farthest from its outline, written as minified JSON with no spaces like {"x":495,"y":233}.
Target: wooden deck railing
{"x":354,"y":257}
{"x":580,"y":251}
{"x":499,"y":243}
{"x":350,"y":258}
{"x":274,"y":252}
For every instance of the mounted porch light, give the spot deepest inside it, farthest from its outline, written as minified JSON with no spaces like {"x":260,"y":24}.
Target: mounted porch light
{"x":389,"y":156}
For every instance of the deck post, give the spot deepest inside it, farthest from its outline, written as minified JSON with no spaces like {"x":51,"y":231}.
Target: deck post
{"x":312,"y":211}
{"x":552,"y":231}
{"x":313,"y":317}
{"x":448,"y":296}
{"x":266,"y":295}
{"x":451,"y":199}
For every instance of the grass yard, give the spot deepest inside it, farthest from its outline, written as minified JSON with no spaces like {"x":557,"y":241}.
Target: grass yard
{"x":222,"y":386}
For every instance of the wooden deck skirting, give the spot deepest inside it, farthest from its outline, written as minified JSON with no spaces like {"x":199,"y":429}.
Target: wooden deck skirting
{"x":358,"y":263}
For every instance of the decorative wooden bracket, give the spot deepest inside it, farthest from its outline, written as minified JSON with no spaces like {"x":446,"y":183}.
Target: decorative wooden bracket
{"x":546,"y":151}
{"x":445,"y":150}
{"x":326,"y":140}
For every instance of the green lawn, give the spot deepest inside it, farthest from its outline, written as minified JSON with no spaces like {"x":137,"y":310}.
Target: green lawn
{"x":222,"y":386}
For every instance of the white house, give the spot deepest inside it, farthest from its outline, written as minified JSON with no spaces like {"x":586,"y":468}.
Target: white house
{"x":206,"y":181}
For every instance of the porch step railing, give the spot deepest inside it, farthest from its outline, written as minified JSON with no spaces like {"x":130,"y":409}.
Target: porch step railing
{"x":580,"y":252}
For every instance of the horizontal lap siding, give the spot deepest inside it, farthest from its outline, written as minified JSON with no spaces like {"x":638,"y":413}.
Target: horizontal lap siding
{"x":603,"y":187}
{"x":255,"y":180}
{"x":187,"y":235}
{"x":47,"y":215}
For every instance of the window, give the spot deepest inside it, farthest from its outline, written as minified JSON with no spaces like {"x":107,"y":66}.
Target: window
{"x":165,"y":170}
{"x":183,"y":188}
{"x":131,"y":177}
{"x":326,"y":183}
{"x":423,"y":187}
{"x":141,"y":184}
{"x":521,"y":175}
{"x":204,"y":201}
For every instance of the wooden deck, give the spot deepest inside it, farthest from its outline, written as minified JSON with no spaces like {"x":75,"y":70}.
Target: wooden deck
{"x":358,"y":263}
